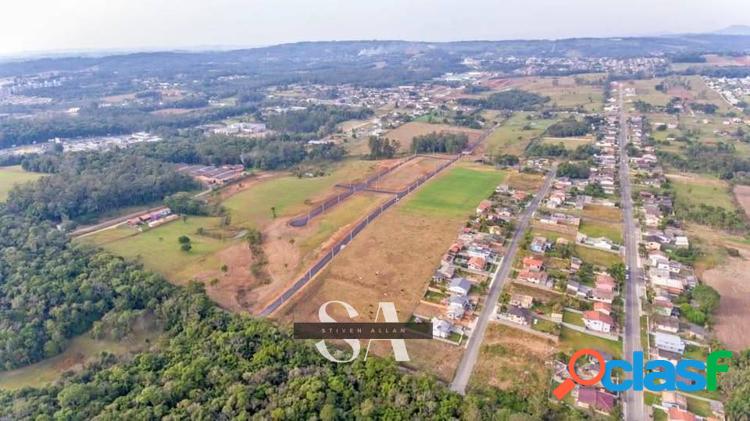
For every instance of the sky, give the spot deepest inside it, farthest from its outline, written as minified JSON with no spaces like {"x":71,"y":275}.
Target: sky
{"x":32,"y":26}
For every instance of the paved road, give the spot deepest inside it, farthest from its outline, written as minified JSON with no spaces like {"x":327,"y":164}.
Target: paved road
{"x":471,"y":354}
{"x":633,"y":401}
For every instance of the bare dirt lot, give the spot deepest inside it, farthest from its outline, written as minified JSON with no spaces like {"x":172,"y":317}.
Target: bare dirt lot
{"x":730,"y":280}
{"x":406,"y":174}
{"x":742,"y":195}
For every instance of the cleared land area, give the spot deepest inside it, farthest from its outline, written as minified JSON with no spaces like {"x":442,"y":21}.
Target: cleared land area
{"x":694,"y":190}
{"x":513,"y":360}
{"x":570,"y":143}
{"x":406,"y":132}
{"x":515,"y":134}
{"x":10,"y":176}
{"x":730,"y":280}
{"x":597,"y":257}
{"x":601,"y":228}
{"x":567,"y":92}
{"x":645,"y":90}
{"x":394,"y":258}
{"x":742,"y":194}
{"x":407,"y":173}
{"x":525,"y":181}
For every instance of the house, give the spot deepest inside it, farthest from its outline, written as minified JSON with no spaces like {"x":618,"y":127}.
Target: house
{"x":539,"y":245}
{"x":457,"y":306}
{"x":673,"y":400}
{"x":600,"y":400}
{"x":477,"y":263}
{"x":533,"y":263}
{"x":677,"y":414}
{"x":538,"y":278}
{"x":575,"y":264}
{"x":669,"y":342}
{"x":604,"y":281}
{"x":662,"y":305}
{"x":681,"y":241}
{"x":517,"y":315}
{"x":666,"y":323}
{"x":460,"y":286}
{"x":441,"y":328}
{"x":521,"y":300}
{"x":484,"y":207}
{"x":597,"y":321}
{"x":604,"y":308}
{"x":603,"y":295}
{"x":445,"y":272}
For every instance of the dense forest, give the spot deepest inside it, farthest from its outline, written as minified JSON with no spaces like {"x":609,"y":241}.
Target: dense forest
{"x":514,"y":100}
{"x":88,"y":184}
{"x":318,"y":119}
{"x":570,"y":127}
{"x":439,"y":142}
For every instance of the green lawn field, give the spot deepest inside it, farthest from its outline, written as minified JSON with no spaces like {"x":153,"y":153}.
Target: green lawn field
{"x":571,"y":341}
{"x":252,"y":207}
{"x":597,"y":257}
{"x":594,"y":228}
{"x":158,"y":248}
{"x":10,"y":176}
{"x":514,"y":134}
{"x":455,"y":193}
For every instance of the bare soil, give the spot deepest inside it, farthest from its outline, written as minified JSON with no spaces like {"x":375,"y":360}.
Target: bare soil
{"x":730,"y":280}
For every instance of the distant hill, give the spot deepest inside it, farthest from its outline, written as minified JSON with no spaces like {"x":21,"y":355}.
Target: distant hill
{"x":734,"y":30}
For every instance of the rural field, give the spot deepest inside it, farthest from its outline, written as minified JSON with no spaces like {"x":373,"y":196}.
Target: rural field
{"x":10,"y":176}
{"x":393,"y":258}
{"x":406,"y":132}
{"x":693,"y":190}
{"x":570,"y":143}
{"x":566,"y":92}
{"x":515,"y":134}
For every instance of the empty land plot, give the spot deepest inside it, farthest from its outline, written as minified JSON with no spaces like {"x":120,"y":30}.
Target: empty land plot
{"x":730,"y":280}
{"x":570,"y":143}
{"x":599,"y":228}
{"x":407,"y":173}
{"x":597,"y":257}
{"x":291,"y":195}
{"x":11,"y":176}
{"x":406,"y":132}
{"x":694,"y":190}
{"x":159,"y":249}
{"x":455,"y":193}
{"x":512,"y":360}
{"x":571,"y":341}
{"x":395,"y":256}
{"x":566,"y":92}
{"x":525,"y":181}
{"x":515,"y":134}
{"x":645,"y":90}
{"x":603,"y":213}
{"x":742,"y":194}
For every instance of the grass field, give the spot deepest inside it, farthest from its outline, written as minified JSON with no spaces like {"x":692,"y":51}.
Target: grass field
{"x":571,"y":341}
{"x":455,"y":193}
{"x":290,"y":195}
{"x":606,"y":213}
{"x":597,"y":228}
{"x":573,"y":318}
{"x":10,"y":176}
{"x":597,"y":257}
{"x":694,"y":190}
{"x":515,"y":133}
{"x":565,"y":92}
{"x":570,"y":143}
{"x":158,"y":248}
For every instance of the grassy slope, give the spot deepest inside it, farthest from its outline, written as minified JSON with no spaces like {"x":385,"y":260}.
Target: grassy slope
{"x":511,"y":138}
{"x":10,"y":176}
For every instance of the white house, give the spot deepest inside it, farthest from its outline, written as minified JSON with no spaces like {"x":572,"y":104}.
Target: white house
{"x":441,"y":328}
{"x":669,"y":342}
{"x":597,"y":321}
{"x":460,"y":286}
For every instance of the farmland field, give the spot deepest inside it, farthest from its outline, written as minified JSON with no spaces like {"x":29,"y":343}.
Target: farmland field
{"x":10,"y":176}
{"x":455,"y":193}
{"x":515,"y":134}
